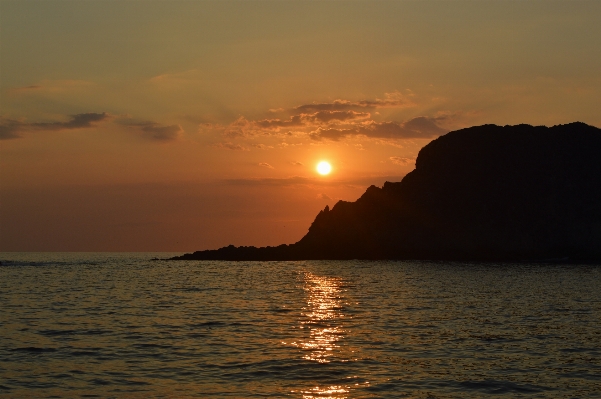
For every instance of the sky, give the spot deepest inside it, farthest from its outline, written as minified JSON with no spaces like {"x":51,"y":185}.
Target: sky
{"x":190,"y":125}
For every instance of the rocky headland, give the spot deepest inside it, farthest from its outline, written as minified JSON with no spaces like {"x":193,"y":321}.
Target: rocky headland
{"x":485,"y":193}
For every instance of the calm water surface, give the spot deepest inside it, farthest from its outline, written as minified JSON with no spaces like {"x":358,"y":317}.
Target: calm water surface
{"x":119,"y":325}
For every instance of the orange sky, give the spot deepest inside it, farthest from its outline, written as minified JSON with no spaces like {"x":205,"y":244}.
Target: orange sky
{"x":178,"y":126}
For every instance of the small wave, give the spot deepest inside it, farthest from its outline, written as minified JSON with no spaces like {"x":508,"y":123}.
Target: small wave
{"x":34,"y":349}
{"x":500,"y":387}
{"x":17,"y":263}
{"x":132,"y":382}
{"x":84,"y":353}
{"x":207,"y":324}
{"x":55,"y":333}
{"x":492,"y":338}
{"x":280,"y":310}
{"x":196,"y":289}
{"x":94,"y":332}
{"x":151,"y":346}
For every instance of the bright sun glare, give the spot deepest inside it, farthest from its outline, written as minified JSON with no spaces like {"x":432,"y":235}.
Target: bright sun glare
{"x":323,"y":168}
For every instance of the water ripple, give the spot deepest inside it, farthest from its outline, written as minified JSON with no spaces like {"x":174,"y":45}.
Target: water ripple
{"x":118,"y":325}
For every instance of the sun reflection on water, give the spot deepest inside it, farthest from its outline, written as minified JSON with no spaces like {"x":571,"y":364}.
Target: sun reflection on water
{"x":322,"y":316}
{"x":331,"y":392}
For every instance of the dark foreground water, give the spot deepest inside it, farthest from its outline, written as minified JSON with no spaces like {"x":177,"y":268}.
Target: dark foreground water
{"x":119,"y":325}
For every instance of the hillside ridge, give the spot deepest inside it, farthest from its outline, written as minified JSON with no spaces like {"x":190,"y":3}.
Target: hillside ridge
{"x":484,"y":193}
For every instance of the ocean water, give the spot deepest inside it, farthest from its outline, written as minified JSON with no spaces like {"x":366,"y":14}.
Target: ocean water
{"x":122,"y":326}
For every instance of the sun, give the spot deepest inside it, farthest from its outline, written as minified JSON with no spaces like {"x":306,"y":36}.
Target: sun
{"x":324,"y":168}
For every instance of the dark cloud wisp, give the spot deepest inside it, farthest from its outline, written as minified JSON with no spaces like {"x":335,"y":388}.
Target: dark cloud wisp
{"x":77,"y":122}
{"x":231,"y":146}
{"x":9,"y":129}
{"x":391,"y":100}
{"x":155,"y":131}
{"x":416,"y":128}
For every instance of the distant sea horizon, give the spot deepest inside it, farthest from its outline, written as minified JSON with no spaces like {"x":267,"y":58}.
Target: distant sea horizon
{"x":116,"y":324}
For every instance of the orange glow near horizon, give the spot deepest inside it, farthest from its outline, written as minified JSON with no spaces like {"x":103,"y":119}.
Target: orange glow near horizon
{"x":215,"y":134}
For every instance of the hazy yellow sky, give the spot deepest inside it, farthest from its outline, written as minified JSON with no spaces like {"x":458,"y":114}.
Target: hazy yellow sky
{"x":185,"y":125}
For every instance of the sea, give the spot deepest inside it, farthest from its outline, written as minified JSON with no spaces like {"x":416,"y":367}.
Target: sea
{"x":121,"y":325}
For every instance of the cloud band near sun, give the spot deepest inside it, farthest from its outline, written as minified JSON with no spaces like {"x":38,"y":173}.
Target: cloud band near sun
{"x":336,"y":121}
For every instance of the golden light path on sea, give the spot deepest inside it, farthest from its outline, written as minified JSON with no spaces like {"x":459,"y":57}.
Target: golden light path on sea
{"x":323,"y":310}
{"x":324,"y":306}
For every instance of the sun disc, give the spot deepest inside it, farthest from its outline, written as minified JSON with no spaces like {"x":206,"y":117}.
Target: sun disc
{"x":323,"y":168}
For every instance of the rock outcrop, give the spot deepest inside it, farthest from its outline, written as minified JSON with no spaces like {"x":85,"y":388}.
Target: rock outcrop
{"x":485,"y":193}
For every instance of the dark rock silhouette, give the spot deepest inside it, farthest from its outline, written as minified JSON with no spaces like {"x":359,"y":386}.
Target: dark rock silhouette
{"x":485,"y":193}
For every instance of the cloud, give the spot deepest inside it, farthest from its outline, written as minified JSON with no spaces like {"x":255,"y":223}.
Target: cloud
{"x":425,"y":125}
{"x":77,"y":122}
{"x":239,"y":128}
{"x":328,"y":116}
{"x":333,"y":134}
{"x":420,"y":127}
{"x":9,"y":128}
{"x":391,"y":100}
{"x":307,"y":117}
{"x":402,"y":161}
{"x":155,"y":131}
{"x":266,"y":165}
{"x":276,"y":124}
{"x":26,"y":88}
{"x":300,"y":124}
{"x":231,"y":146}
{"x":47,"y":86}
{"x":262,"y":146}
{"x":296,"y":163}
{"x":338,"y":120}
{"x":303,"y":119}
{"x":324,"y":196}
{"x":391,"y":143}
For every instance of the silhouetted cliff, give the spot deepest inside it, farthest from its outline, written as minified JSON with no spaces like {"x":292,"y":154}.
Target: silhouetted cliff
{"x":481,"y":193}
